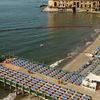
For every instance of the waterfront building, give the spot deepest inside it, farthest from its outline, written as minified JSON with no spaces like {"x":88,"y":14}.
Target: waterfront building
{"x":88,"y":5}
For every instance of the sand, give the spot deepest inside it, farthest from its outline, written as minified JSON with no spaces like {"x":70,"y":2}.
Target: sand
{"x":82,"y":57}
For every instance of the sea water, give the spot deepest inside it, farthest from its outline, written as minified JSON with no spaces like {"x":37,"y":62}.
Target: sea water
{"x":26,"y":31}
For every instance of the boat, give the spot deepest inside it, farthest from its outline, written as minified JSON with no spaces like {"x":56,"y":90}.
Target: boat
{"x":41,"y":45}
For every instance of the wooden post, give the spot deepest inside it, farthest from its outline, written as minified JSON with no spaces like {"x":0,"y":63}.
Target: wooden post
{"x":10,"y":84}
{"x":22,"y":90}
{"x":16,"y":87}
{"x":4,"y":82}
{"x":29,"y":90}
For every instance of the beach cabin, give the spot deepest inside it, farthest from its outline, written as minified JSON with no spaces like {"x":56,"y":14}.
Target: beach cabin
{"x":91,"y":82}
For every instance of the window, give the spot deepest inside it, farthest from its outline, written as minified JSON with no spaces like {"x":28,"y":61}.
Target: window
{"x":81,"y":5}
{"x":74,"y":3}
{"x":77,"y":4}
{"x":55,"y":4}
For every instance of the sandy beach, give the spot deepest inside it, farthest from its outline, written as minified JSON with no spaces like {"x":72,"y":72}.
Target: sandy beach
{"x":82,"y":57}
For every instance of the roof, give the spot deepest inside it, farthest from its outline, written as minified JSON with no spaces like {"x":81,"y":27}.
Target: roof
{"x":97,"y":56}
{"x":93,"y":77}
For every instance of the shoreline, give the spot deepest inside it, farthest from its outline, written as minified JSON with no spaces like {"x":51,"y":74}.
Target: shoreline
{"x":81,"y":57}
{"x":87,"y":43}
{"x":46,"y":8}
{"x":89,"y":48}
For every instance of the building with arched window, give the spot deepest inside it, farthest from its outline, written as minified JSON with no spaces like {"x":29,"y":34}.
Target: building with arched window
{"x":81,"y":4}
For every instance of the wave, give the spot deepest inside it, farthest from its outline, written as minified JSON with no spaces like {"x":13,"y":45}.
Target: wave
{"x":57,"y":63}
{"x":97,"y":30}
{"x":70,"y":55}
{"x":11,"y":96}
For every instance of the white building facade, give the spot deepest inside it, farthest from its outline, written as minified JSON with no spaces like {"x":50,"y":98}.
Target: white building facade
{"x":91,"y":82}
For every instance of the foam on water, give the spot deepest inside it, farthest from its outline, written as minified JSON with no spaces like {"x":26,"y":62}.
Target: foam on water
{"x":97,"y":30}
{"x":70,"y":55}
